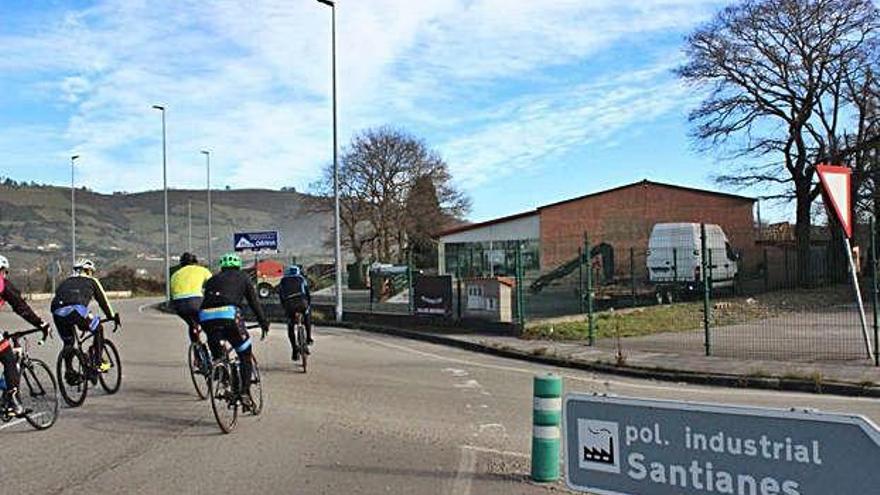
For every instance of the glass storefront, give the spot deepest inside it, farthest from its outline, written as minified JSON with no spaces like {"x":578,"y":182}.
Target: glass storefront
{"x":488,"y":259}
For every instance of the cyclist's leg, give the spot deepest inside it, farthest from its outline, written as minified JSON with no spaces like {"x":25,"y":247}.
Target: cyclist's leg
{"x":7,"y":358}
{"x":188,"y":311}
{"x":238,"y":337}
{"x":66,"y":328}
{"x":11,"y":401}
{"x":307,"y":320}
{"x":93,"y":324}
{"x":214,"y":331}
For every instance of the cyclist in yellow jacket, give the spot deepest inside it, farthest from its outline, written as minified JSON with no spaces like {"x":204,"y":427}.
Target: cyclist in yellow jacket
{"x":187,"y":286}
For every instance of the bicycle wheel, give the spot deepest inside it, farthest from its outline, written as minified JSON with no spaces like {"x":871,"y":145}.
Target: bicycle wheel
{"x":196,"y":358}
{"x":303,"y":345}
{"x":224,"y":401}
{"x":72,"y":380}
{"x":39,"y":394}
{"x":256,"y":387}
{"x":111,"y":379}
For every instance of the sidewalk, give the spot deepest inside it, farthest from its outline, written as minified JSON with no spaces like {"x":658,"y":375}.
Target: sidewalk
{"x":833,"y":378}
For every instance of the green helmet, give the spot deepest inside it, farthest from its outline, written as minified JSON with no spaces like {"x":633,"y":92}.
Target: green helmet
{"x":230,"y":260}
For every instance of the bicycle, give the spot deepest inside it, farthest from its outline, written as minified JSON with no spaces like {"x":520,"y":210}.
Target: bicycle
{"x":74,"y":379}
{"x":225,"y":390}
{"x":38,"y":389}
{"x":302,"y":343}
{"x":199,"y":361}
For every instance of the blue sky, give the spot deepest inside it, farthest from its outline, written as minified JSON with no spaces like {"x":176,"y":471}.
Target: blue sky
{"x":529,"y":102}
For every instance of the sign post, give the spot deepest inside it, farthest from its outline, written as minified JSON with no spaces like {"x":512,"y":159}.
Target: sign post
{"x":626,"y":446}
{"x":836,"y":183}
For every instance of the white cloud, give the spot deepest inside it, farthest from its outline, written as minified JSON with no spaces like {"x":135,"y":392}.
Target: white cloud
{"x":250,"y":80}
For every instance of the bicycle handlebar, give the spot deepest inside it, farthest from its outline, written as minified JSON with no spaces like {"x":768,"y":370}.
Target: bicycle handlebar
{"x":14,"y":336}
{"x":116,"y":324}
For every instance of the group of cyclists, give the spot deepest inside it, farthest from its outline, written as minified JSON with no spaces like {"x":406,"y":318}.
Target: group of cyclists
{"x":205,"y":301}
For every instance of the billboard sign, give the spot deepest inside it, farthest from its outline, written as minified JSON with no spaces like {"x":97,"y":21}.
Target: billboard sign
{"x":432,"y":295}
{"x":256,"y":241}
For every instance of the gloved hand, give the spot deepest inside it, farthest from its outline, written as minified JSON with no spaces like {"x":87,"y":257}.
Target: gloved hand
{"x":47,"y":331}
{"x":118,"y":322}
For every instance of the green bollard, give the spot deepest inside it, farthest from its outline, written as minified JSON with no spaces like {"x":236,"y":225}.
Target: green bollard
{"x":546,"y":420}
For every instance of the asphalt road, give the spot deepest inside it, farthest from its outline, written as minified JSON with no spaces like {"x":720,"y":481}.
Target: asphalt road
{"x":375,"y":414}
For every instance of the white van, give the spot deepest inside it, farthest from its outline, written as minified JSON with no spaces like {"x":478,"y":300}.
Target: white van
{"x":675,"y":261}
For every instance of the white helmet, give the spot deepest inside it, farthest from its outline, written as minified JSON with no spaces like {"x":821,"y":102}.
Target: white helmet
{"x":84,"y":264}
{"x":4,"y":263}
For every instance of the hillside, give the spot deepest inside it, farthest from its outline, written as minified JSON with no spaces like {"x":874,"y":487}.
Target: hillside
{"x":127,"y":229}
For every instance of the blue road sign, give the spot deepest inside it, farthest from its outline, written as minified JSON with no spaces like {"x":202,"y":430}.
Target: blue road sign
{"x":625,"y":446}
{"x":256,"y":241}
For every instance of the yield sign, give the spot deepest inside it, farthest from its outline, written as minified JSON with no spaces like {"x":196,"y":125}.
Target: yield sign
{"x":836,"y":181}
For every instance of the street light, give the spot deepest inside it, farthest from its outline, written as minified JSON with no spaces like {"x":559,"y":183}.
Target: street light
{"x":332,"y":5}
{"x":207,"y":154}
{"x":72,"y":214}
{"x":165,"y":187}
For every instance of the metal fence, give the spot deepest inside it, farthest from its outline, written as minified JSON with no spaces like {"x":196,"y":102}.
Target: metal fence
{"x":691,"y":293}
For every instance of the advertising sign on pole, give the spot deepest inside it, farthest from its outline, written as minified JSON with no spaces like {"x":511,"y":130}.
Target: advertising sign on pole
{"x":256,"y":241}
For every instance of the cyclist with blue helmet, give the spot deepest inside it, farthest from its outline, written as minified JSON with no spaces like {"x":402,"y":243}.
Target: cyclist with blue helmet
{"x":220,"y":316}
{"x":293,"y":291}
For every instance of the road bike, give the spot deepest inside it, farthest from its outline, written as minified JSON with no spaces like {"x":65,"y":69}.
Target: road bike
{"x":301,"y":343}
{"x":224,"y":388}
{"x":199,"y":364}
{"x":38,"y":389}
{"x":74,"y":378}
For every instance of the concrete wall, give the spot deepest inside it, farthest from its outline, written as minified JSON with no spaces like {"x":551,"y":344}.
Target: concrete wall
{"x":513,"y":230}
{"x":624,"y":218}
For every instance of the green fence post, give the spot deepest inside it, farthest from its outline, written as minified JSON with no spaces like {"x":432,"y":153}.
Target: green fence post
{"x":580,"y":290}
{"x":674,"y":265}
{"x":874,"y":292}
{"x":546,"y":420}
{"x":707,"y":281}
{"x":591,"y":324}
{"x":520,"y":298}
{"x":632,"y":274}
{"x":409,"y":281}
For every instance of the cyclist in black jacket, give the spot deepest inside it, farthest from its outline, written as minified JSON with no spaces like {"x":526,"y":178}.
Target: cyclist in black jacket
{"x":70,"y":310}
{"x":293,"y":292}
{"x":221,"y":319}
{"x":8,"y":293}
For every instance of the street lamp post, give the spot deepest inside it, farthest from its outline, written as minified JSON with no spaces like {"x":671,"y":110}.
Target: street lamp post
{"x":165,"y":188}
{"x":207,"y":154}
{"x":72,"y":213}
{"x":189,"y":225}
{"x":338,"y":243}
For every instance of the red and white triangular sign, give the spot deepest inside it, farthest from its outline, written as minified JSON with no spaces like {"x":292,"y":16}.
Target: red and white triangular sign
{"x":836,"y":181}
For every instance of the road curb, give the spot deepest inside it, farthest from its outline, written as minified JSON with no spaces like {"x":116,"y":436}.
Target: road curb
{"x":697,"y":378}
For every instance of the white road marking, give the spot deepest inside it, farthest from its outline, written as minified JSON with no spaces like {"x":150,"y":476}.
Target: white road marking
{"x":607,"y":382}
{"x":487,"y":450}
{"x":456,"y":372}
{"x":468,"y":384}
{"x":492,"y":426}
{"x":13,"y":423}
{"x":464,"y":476}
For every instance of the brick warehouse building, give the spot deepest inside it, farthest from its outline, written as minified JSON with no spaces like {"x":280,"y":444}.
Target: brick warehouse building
{"x":622,"y":217}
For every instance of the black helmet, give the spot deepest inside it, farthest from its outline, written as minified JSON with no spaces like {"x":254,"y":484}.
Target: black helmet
{"x":188,"y":259}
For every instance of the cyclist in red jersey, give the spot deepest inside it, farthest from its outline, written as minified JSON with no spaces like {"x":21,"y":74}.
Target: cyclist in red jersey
{"x":11,"y":403}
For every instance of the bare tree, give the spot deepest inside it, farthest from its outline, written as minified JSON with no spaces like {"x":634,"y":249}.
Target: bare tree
{"x":780,"y":75}
{"x":378,"y":173}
